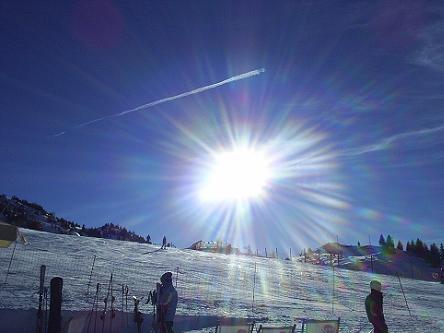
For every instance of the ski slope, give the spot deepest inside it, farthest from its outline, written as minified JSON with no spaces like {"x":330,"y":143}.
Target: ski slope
{"x":212,"y":284}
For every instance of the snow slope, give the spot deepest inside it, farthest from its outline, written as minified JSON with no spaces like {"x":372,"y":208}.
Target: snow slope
{"x":212,"y":284}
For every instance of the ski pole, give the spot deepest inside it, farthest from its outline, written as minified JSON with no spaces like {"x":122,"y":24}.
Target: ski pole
{"x":254,"y":287}
{"x":10,"y":262}
{"x":126,"y":303}
{"x":405,"y":299}
{"x":177,"y":274}
{"x":90,"y":275}
{"x":113,"y":313}
{"x":333,"y":286}
{"x":45,"y":295}
{"x":97,"y":308}
{"x":123,"y":295}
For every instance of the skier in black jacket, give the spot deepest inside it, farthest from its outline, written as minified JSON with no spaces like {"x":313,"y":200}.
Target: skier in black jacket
{"x":374,"y":308}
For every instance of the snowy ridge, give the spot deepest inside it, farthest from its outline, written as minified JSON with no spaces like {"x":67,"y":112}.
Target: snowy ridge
{"x":213,"y":284}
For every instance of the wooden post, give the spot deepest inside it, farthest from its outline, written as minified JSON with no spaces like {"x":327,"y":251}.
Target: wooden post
{"x":55,"y":305}
{"x":266,"y":256}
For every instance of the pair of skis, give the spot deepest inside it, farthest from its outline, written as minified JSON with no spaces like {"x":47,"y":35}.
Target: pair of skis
{"x":138,"y":316}
{"x":109,"y":297}
{"x":125,"y":291}
{"x":95,"y":308}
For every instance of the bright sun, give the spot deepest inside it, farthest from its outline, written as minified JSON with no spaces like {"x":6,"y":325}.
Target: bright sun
{"x":236,"y":175}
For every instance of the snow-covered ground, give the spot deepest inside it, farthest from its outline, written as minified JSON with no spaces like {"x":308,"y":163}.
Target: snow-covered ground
{"x":212,"y":285}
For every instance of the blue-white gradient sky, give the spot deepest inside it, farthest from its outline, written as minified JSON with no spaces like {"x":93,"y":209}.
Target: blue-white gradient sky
{"x":349,"y":110}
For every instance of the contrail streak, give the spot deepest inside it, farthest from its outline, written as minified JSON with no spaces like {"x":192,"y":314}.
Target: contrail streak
{"x":169,"y":99}
{"x":386,"y":142}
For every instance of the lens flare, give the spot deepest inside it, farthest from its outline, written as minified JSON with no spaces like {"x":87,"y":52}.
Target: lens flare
{"x":247,"y":174}
{"x":241,"y":174}
{"x":246,"y":183}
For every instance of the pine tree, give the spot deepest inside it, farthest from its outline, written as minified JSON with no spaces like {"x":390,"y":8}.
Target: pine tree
{"x":412,"y":248}
{"x":309,"y":251}
{"x":382,"y":241}
{"x":442,"y":251}
{"x":390,"y":244}
{"x":426,"y":253}
{"x":419,"y":248}
{"x":435,"y":259}
{"x":400,"y":246}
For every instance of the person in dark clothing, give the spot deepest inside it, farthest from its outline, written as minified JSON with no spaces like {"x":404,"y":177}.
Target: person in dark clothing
{"x":166,"y":303}
{"x":164,"y":242}
{"x":374,"y":308}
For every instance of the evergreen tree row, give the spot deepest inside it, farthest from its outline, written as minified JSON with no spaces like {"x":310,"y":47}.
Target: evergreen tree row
{"x":432,"y":255}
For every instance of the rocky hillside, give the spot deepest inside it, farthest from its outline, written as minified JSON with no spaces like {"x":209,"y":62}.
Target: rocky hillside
{"x":25,"y":214}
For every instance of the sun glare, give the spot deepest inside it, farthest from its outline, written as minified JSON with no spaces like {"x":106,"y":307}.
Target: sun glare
{"x":236,"y":175}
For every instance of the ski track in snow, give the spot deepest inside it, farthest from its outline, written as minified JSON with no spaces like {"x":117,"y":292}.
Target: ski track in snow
{"x":213,"y":284}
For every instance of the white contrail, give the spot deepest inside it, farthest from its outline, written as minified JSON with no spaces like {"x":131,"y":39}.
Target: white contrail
{"x":385,"y":143}
{"x":169,"y":99}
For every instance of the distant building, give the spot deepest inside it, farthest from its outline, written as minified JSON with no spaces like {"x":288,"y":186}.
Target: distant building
{"x":214,"y":247}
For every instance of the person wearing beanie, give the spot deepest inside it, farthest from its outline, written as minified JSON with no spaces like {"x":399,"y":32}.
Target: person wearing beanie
{"x":374,"y":308}
{"x":167,"y":303}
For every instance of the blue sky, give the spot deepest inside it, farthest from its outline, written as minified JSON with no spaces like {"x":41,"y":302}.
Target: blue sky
{"x":350,"y":106}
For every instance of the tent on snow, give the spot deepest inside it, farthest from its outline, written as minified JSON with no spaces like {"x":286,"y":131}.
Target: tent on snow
{"x":10,"y":234}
